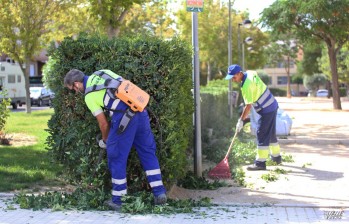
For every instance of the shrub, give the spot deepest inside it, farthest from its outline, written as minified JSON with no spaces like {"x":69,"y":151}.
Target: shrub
{"x":215,"y":116}
{"x":278,"y":92}
{"x":342,"y":92}
{"x":161,"y":68}
{"x":4,"y":111}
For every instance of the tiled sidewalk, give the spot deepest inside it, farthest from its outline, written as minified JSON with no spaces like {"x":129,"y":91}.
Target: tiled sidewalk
{"x":244,"y":214}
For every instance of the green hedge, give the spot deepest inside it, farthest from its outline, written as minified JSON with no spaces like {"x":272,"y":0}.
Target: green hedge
{"x":342,"y":91}
{"x":278,"y":92}
{"x":4,"y":111}
{"x":162,"y":68}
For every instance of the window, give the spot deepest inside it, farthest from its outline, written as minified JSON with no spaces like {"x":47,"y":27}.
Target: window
{"x":9,"y":60}
{"x":11,"y":79}
{"x":282,"y":80}
{"x":19,"y":78}
{"x":31,"y":70}
{"x":2,"y":68}
{"x":36,"y":81}
{"x":283,"y":64}
{"x":291,"y":64}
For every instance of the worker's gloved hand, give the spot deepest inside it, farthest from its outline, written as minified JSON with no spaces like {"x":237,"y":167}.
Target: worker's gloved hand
{"x":102,"y":144}
{"x":239,"y":125}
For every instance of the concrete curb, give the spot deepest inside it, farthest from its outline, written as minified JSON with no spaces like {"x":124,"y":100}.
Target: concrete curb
{"x":7,"y":195}
{"x":281,"y":205}
{"x":314,"y":141}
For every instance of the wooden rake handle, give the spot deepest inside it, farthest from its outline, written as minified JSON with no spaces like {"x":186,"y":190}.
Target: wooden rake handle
{"x":231,"y":144}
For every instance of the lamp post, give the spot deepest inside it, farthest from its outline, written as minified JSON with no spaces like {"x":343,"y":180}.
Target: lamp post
{"x":248,"y":40}
{"x":229,"y":63}
{"x":196,"y":78}
{"x":246,"y":24}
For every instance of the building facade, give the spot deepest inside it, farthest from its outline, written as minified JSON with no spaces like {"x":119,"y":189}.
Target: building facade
{"x":278,"y":76}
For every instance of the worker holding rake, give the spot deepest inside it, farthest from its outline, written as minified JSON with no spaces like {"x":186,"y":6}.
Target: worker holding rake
{"x":256,"y":94}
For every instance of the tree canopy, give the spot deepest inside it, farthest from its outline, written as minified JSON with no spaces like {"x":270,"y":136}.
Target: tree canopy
{"x":154,"y":17}
{"x":25,"y":27}
{"x":310,"y":63}
{"x":111,"y":14}
{"x":213,"y":37}
{"x":283,"y":48}
{"x":313,"y":21}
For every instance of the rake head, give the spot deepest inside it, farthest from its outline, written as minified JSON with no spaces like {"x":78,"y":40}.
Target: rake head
{"x":221,"y":171}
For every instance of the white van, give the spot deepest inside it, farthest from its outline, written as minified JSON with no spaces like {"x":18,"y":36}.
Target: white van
{"x":12,"y":80}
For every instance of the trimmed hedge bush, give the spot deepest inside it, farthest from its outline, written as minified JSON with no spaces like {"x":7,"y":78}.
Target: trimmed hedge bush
{"x":342,"y":92}
{"x":161,"y":68}
{"x":4,"y":110}
{"x":278,"y":92}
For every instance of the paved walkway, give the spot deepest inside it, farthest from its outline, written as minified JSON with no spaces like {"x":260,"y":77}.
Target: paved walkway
{"x":314,"y":193}
{"x":11,"y":214}
{"x":315,"y":122}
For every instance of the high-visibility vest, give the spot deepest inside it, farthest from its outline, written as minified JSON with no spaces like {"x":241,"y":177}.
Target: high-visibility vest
{"x":117,"y":87}
{"x":255,"y":92}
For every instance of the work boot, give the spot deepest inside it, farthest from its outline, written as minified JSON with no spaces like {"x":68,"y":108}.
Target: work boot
{"x":112,"y":206}
{"x":160,"y":199}
{"x":276,"y":159}
{"x":257,"y":166}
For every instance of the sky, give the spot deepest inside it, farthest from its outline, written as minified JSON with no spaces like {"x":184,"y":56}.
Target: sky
{"x":253,"y":6}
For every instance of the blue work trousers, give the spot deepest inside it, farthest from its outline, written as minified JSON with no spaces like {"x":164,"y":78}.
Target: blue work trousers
{"x":266,"y":132}
{"x":138,"y":134}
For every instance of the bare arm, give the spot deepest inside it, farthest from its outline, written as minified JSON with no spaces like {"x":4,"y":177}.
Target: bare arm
{"x":103,"y":126}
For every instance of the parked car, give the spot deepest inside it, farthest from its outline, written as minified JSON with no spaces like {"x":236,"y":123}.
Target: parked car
{"x":41,"y":96}
{"x":35,"y":93}
{"x":322,"y":93}
{"x":46,"y":97}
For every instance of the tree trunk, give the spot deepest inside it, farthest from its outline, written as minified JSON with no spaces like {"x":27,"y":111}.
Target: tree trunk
{"x":208,"y":72}
{"x":288,"y":77}
{"x":114,"y":31}
{"x":26,"y":73}
{"x":335,"y":87}
{"x":298,"y":93}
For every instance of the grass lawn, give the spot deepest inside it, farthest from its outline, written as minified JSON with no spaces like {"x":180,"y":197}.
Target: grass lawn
{"x":28,"y":167}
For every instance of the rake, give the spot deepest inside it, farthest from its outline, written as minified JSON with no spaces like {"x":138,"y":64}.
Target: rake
{"x":222,"y":170}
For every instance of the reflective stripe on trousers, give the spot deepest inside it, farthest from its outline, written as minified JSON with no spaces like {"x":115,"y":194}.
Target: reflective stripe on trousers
{"x":139,"y":135}
{"x":266,"y":136}
{"x":274,"y":149}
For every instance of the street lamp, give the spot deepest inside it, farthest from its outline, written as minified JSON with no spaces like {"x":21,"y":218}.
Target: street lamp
{"x":246,"y":24}
{"x":251,"y":50}
{"x":248,"y":41}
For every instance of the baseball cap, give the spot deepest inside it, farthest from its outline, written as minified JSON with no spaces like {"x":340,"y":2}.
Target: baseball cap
{"x":232,"y":70}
